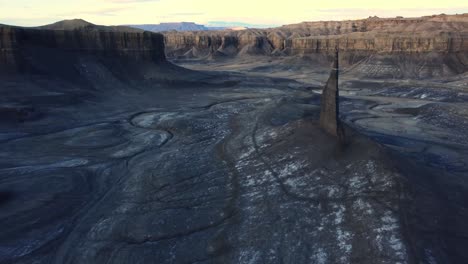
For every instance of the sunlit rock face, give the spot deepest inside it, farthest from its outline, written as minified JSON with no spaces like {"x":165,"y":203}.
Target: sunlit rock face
{"x":373,"y":47}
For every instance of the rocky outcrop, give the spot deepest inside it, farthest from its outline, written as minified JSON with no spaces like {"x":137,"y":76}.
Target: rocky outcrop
{"x":217,"y":43}
{"x":41,"y":49}
{"x":427,"y":34}
{"x":382,"y":43}
{"x":329,"y":106}
{"x":396,"y":47}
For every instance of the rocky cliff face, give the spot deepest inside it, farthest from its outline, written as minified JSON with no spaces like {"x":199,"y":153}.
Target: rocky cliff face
{"x":422,"y":47}
{"x":382,"y":43}
{"x":217,"y":43}
{"x":43,"y":49}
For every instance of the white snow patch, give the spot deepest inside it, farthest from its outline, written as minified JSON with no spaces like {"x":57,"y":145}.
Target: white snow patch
{"x":320,"y":256}
{"x":294,"y":183}
{"x":370,"y":166}
{"x":332,"y":190}
{"x":359,"y":204}
{"x":273,"y":134}
{"x":343,"y":238}
{"x":388,"y":235}
{"x":249,"y":152}
{"x":389,"y":223}
{"x":356,"y":182}
{"x":249,"y":257}
{"x":290,"y":169}
{"x":250,"y":182}
{"x":362,"y":205}
{"x":339,"y":215}
{"x":395,"y":243}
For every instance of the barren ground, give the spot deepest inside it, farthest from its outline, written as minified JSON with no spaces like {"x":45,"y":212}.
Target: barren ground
{"x":233,"y":169}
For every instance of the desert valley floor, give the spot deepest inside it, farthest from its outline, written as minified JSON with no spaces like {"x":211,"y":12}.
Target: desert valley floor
{"x":227,"y":164}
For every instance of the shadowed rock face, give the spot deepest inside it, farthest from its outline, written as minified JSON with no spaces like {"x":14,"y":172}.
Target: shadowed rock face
{"x":330,"y":106}
{"x":73,"y":61}
{"x":28,"y":49}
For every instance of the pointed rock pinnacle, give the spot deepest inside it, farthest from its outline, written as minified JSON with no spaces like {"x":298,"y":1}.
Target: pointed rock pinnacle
{"x":329,"y":109}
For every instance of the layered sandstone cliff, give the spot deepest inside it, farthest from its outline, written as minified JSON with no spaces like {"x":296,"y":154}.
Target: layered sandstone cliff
{"x":228,"y":43}
{"x":426,"y":47}
{"x":60,"y":45}
{"x":427,"y":34}
{"x":382,"y":43}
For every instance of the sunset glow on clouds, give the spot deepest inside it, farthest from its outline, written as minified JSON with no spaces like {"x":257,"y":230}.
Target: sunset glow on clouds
{"x":260,"y":12}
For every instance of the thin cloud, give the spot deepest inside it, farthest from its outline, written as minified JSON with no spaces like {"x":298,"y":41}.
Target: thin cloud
{"x":15,"y":21}
{"x":130,"y":1}
{"x":238,"y":24}
{"x":186,"y":14}
{"x":99,"y":12}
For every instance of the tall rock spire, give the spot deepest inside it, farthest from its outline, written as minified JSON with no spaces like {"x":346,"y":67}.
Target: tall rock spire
{"x":330,"y":107}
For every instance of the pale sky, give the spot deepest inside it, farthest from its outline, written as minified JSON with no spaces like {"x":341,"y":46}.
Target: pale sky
{"x":208,"y":12}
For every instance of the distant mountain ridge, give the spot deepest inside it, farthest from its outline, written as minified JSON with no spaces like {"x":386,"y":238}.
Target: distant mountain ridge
{"x":177,"y":26}
{"x":80,"y":24}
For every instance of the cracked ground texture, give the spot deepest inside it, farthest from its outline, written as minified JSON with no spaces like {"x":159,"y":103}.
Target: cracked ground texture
{"x":233,"y":169}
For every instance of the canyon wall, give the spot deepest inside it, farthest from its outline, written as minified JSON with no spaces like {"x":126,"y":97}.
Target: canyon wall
{"x":44,"y":49}
{"x":433,"y":46}
{"x":430,"y":46}
{"x":381,"y":43}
